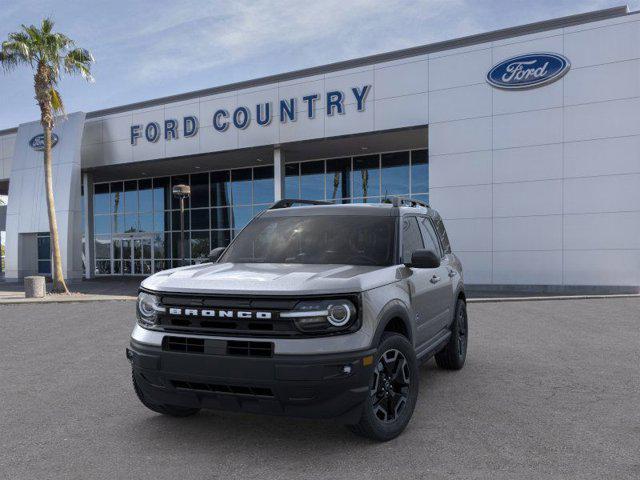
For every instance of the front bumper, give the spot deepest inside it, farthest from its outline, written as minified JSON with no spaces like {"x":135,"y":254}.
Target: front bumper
{"x":311,"y":386}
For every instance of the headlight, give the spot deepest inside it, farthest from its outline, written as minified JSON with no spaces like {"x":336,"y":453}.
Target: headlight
{"x":148,"y":307}
{"x":323,"y":316}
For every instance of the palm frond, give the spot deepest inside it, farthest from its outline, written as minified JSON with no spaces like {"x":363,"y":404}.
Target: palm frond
{"x":79,"y":60}
{"x":56,"y":101}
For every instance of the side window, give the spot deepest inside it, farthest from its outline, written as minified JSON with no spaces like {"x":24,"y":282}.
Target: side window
{"x":411,"y":238}
{"x":430,"y":239}
{"x":442,"y":233}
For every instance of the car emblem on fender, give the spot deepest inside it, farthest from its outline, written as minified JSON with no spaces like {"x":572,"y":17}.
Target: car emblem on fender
{"x":528,"y":71}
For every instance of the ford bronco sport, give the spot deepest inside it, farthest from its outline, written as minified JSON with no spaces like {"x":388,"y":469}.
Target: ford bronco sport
{"x":316,"y":310}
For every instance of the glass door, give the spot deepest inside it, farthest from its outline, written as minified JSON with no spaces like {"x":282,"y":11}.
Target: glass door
{"x":133,"y":254}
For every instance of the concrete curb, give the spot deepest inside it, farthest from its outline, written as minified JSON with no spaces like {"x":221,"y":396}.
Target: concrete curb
{"x":548,"y":298}
{"x":69,"y":299}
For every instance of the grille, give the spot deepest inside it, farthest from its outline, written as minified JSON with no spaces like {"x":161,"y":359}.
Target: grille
{"x":219,"y":388}
{"x":250,"y":349}
{"x":274,"y":326}
{"x":183,"y":344}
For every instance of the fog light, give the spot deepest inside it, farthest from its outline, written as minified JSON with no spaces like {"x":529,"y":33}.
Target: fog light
{"x":346,"y":369}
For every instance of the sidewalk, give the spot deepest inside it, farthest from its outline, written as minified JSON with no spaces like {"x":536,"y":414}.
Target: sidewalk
{"x":94,"y":290}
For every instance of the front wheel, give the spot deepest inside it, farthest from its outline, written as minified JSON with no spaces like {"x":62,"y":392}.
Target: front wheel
{"x":393,"y":390}
{"x":454,"y":354}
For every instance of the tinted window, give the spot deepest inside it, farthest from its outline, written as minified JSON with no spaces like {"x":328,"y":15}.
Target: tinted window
{"x":442,"y":232}
{"x":318,"y":239}
{"x":430,"y":239}
{"x":312,"y":180}
{"x":411,"y":238}
{"x":395,"y":173}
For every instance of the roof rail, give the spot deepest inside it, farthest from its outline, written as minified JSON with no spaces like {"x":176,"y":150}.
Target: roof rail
{"x":290,"y":202}
{"x":398,"y":201}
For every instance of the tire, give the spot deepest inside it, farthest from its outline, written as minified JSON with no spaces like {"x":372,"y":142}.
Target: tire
{"x":171,"y":410}
{"x":393,"y":390}
{"x":454,"y":354}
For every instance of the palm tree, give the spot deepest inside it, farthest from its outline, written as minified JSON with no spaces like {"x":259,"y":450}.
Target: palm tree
{"x":47,"y":53}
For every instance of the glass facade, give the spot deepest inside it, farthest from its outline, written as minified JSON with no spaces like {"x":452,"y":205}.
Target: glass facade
{"x":364,"y":178}
{"x":136,"y":223}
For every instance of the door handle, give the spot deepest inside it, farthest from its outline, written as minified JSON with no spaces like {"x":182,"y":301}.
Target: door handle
{"x":435,"y":279}
{"x":452,"y":273}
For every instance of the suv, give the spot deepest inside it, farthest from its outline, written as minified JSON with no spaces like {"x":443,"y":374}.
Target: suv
{"x":316,"y":310}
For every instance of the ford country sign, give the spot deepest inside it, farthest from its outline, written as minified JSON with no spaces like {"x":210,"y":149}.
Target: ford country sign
{"x":528,"y":71}
{"x":37,"y":142}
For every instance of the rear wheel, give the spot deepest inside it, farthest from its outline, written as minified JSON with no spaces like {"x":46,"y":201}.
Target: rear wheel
{"x":453,"y":356}
{"x":171,"y":410}
{"x":393,"y":390}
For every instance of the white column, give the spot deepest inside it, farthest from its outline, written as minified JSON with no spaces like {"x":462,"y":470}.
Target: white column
{"x":87,"y":206}
{"x":278,"y":174}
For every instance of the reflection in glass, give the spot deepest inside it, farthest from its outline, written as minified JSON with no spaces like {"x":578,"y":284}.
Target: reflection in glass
{"x":161,"y":194}
{"x":117,"y":191}
{"x":145,"y":195}
{"x":103,"y":247}
{"x":220,"y":238}
{"x":312,"y":180}
{"x":220,"y":218}
{"x":263,"y":185}
{"x":117,"y":224}
{"x":131,"y":196}
{"x":200,"y":190}
{"x":200,"y":219}
{"x":241,"y":216}
{"x":175,"y":220}
{"x":200,"y":244}
{"x":160,"y":240}
{"x":366,"y":176}
{"x":131,"y":223}
{"x":145,"y":222}
{"x":101,"y":198}
{"x":419,"y":171}
{"x":338,"y":178}
{"x":395,"y":173}
{"x":292,"y":180}
{"x":102,"y":224}
{"x":241,"y":186}
{"x":220,"y":189}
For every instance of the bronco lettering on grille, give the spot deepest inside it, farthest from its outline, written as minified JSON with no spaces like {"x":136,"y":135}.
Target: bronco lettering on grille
{"x":242,"y":314}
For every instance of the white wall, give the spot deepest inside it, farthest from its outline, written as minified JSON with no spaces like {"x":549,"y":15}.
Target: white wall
{"x":542,"y":186}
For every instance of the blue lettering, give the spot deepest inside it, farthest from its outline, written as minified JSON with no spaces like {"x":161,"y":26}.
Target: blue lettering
{"x":267,"y":113}
{"x":190,"y":126}
{"x":170,"y":129}
{"x":152,"y":132}
{"x":221,"y":127}
{"x":361,"y":95}
{"x":311,"y":104}
{"x":288,"y":110}
{"x":241,"y":117}
{"x":334,"y":101}
{"x":135,"y":134}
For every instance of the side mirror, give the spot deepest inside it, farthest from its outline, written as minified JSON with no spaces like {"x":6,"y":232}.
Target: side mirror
{"x":424,"y":259}
{"x":214,"y":254}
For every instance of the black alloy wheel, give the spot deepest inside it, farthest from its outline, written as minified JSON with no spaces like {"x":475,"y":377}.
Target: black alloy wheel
{"x":390,"y":390}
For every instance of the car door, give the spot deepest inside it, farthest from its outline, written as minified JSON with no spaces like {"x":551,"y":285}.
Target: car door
{"x":443,"y":303}
{"x":423,"y":287}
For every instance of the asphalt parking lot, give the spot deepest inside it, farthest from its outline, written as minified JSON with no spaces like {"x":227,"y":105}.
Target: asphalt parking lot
{"x":551,"y":389}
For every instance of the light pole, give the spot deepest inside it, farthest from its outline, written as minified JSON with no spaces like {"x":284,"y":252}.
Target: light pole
{"x":181,"y":192}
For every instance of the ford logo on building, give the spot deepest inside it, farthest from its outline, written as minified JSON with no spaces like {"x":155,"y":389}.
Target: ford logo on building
{"x":37,"y":142}
{"x":528,"y":71}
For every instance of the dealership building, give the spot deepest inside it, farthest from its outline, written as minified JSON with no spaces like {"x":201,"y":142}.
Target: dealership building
{"x":526,"y":140}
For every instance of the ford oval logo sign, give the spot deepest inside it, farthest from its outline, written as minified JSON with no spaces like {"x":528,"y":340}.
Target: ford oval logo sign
{"x":37,"y":142}
{"x":528,"y":71}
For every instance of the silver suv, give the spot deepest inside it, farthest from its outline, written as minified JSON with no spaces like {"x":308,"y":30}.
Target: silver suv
{"x":314,"y":310}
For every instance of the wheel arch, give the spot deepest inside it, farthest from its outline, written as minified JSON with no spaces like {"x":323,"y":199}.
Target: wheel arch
{"x":394,"y":318}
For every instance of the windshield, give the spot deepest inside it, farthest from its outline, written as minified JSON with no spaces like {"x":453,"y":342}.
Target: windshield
{"x":317,"y":239}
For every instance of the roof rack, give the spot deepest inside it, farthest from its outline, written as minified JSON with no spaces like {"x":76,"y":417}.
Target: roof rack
{"x":398,"y":201}
{"x":290,"y":202}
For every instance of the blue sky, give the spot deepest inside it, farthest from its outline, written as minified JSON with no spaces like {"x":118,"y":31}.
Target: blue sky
{"x":147,"y":49}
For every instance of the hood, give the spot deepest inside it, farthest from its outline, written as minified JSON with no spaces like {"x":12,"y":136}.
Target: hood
{"x":270,"y":279}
